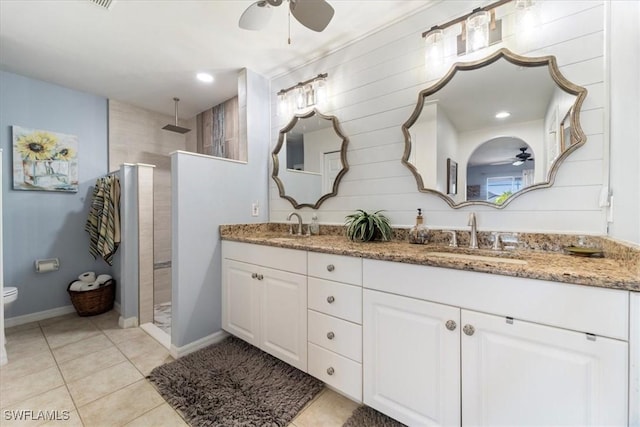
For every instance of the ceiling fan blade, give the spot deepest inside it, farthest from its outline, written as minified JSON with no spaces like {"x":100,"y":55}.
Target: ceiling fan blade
{"x":313,"y":14}
{"x":255,"y":17}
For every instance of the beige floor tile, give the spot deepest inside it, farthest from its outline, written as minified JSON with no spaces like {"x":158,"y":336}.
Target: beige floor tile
{"x":329,"y":410}
{"x":145,"y":362}
{"x":58,"y":319}
{"x":139,"y":346}
{"x":55,"y":402}
{"x":20,"y":328}
{"x":89,"y":364}
{"x":82,"y":348}
{"x":103,"y":382}
{"x":108,"y":320}
{"x":26,"y":348}
{"x":122,"y":406}
{"x":29,"y":363}
{"x":25,"y":387}
{"x":69,"y":331}
{"x":24,"y":335}
{"x":163,"y":415}
{"x":118,"y":335}
{"x":72,"y":419}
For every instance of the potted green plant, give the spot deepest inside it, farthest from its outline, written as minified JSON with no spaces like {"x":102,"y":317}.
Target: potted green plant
{"x":364,"y":227}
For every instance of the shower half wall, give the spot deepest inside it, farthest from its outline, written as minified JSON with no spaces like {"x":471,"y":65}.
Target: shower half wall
{"x":136,"y":136}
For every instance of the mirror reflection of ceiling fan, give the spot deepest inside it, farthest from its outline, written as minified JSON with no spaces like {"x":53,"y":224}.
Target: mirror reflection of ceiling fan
{"x":313,"y":14}
{"x":522,"y":157}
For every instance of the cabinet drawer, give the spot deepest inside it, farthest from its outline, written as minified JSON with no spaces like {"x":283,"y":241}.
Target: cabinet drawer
{"x":337,"y":371}
{"x":339,"y":336}
{"x":338,"y":268}
{"x":336,"y":299}
{"x":292,"y":260}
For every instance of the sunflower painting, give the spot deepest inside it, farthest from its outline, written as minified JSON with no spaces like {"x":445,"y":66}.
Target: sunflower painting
{"x":44,"y":160}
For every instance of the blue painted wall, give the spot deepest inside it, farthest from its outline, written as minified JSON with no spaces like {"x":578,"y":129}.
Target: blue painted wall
{"x":40,"y":224}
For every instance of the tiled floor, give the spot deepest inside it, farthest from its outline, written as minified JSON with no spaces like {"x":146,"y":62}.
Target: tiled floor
{"x":86,"y":371}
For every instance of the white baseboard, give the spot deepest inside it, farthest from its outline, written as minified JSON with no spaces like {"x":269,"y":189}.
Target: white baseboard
{"x":157,"y":334}
{"x":198,"y":344}
{"x":130,"y":322}
{"x":40,"y":315}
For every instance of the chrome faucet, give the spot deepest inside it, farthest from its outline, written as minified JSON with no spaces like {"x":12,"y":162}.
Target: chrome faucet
{"x":473,"y":240}
{"x":296,"y":214}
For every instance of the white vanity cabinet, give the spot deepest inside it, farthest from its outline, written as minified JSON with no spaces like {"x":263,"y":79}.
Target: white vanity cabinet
{"x":335,"y":321}
{"x":264,"y":299}
{"x":527,"y":363}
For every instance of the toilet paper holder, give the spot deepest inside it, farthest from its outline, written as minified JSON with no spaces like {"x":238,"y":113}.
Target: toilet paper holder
{"x":45,"y":265}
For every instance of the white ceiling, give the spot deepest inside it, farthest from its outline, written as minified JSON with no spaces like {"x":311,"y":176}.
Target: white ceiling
{"x":145,"y":52}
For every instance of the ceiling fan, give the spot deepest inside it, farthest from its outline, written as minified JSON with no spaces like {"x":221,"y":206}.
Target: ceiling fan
{"x":313,"y":14}
{"x":522,"y":157}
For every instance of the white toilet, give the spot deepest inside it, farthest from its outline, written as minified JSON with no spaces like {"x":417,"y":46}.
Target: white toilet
{"x":9,"y":295}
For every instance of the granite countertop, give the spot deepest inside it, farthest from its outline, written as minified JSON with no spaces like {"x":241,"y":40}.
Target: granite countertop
{"x":619,"y":269}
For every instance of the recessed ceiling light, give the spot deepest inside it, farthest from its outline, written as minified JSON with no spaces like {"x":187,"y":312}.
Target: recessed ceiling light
{"x":503,"y":115}
{"x":204,"y":77}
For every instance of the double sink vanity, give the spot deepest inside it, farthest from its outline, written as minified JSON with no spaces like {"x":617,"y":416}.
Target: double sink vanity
{"x":435,"y":335}
{"x":446,"y":333}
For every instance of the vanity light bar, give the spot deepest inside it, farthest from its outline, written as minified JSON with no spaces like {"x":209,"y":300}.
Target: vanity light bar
{"x":302,"y":84}
{"x":488,"y":8}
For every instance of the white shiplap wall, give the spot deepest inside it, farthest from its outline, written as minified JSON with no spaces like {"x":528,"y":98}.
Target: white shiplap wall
{"x":374,"y":85}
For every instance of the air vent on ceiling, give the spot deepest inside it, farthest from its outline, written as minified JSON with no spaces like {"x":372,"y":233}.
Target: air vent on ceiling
{"x":102,"y":3}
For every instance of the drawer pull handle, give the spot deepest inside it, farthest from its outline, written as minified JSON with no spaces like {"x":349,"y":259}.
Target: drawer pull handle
{"x":330,"y":335}
{"x":330,"y":371}
{"x":260,"y":277}
{"x":451,"y":325}
{"x":469,"y":330}
{"x":330,"y":299}
{"x":254,"y":275}
{"x":331,"y":267}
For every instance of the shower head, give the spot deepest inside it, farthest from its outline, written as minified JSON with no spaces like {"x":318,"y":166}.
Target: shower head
{"x":176,"y":128}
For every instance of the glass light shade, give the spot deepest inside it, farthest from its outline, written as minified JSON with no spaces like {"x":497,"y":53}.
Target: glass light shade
{"x":283,"y":105}
{"x":301,"y":100}
{"x":478,"y":31}
{"x":434,"y":48}
{"x":526,"y":17}
{"x":320,"y":86}
{"x":309,"y":95}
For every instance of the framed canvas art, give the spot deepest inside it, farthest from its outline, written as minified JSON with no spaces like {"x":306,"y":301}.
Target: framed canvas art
{"x":44,"y":160}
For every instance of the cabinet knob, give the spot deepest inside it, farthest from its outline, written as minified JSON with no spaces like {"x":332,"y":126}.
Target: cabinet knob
{"x":330,"y":335}
{"x":331,"y":267}
{"x":451,"y":325}
{"x":330,"y":371}
{"x":468,"y":329}
{"x":254,"y":275}
{"x":330,"y":299}
{"x":260,"y":277}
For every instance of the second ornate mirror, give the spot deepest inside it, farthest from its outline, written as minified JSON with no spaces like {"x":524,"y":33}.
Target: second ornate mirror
{"x":493,"y":129}
{"x":309,"y":159}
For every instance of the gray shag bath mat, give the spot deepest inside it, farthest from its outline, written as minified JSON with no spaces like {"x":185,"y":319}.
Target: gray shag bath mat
{"x":232,"y":383}
{"x":365,"y":416}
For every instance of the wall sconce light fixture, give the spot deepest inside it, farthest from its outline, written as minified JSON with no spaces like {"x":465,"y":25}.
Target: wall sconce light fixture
{"x":309,"y":93}
{"x":479,"y":29}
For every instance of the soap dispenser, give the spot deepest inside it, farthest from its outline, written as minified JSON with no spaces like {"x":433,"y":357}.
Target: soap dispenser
{"x":418,"y":233}
{"x":314,"y":227}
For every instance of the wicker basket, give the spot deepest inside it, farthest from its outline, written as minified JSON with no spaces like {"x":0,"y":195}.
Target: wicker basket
{"x":95,"y":301}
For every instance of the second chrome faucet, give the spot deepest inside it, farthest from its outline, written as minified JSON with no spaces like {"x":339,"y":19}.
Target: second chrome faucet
{"x":473,"y":239}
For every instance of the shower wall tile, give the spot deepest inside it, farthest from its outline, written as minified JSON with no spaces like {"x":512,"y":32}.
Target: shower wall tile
{"x":162,"y":285}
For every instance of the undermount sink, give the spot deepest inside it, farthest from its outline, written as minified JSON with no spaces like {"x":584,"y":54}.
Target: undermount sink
{"x":483,"y":258}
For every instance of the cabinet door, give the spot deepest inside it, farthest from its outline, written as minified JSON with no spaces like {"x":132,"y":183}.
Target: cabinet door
{"x":529,"y":374}
{"x":240,"y":301}
{"x":284,"y":316}
{"x":411,"y":361}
